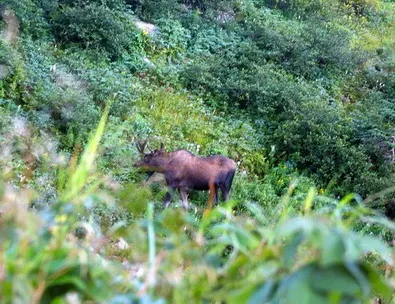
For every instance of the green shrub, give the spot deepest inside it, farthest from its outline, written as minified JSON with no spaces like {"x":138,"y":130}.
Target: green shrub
{"x":12,"y":75}
{"x":5,"y":123}
{"x":319,"y":138}
{"x":323,"y":8}
{"x":5,"y":52}
{"x":96,"y":25}
{"x":285,"y":74}
{"x":32,"y":17}
{"x":171,"y":41}
{"x":55,"y":97}
{"x":362,"y":8}
{"x":249,"y":189}
{"x":154,"y":9}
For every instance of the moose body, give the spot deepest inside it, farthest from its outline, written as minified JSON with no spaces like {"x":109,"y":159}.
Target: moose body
{"x":183,"y":171}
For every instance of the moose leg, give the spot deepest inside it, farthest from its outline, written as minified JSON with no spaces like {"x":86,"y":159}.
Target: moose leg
{"x":184,"y":197}
{"x":149,"y":174}
{"x":211,"y":198}
{"x":216,"y":196}
{"x":168,"y":196}
{"x":212,"y":195}
{"x":227,"y":185}
{"x":225,"y":192}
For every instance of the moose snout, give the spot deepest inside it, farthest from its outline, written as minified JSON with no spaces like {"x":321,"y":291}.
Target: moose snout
{"x":137,"y":164}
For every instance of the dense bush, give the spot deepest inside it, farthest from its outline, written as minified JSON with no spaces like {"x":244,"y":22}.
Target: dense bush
{"x":299,"y":93}
{"x":31,"y":15}
{"x":12,"y":74}
{"x":329,"y":152}
{"x":102,"y":25}
{"x":172,"y":40}
{"x":286,"y":74}
{"x":282,"y":77}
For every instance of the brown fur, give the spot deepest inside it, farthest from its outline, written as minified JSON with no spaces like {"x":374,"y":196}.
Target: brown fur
{"x":183,"y":171}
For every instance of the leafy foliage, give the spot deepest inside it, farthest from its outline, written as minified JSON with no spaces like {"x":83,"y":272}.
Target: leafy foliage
{"x":299,"y":93}
{"x":103,"y":25}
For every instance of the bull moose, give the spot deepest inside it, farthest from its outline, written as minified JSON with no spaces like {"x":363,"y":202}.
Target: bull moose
{"x":183,"y":171}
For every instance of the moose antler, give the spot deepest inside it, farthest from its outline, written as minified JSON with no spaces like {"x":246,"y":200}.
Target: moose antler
{"x":140,"y":145}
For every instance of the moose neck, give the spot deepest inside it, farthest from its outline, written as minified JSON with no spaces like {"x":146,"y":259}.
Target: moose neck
{"x":161,"y":162}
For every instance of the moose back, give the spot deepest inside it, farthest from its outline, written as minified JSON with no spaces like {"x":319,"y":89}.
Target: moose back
{"x":183,"y":171}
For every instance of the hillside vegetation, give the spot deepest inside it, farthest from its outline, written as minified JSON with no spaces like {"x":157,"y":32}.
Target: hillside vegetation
{"x":300,"y":93}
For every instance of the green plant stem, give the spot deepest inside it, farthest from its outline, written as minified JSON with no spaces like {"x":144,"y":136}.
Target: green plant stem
{"x":151,"y":235}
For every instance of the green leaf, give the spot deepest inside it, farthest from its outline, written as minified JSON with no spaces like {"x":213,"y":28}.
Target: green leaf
{"x":134,"y":199}
{"x":332,"y":248}
{"x":240,"y":237}
{"x":79,"y":178}
{"x":291,"y":248}
{"x":307,"y":225}
{"x":212,"y":216}
{"x":61,"y":264}
{"x":247,"y":239}
{"x":336,"y":279}
{"x":378,"y":284}
{"x":257,"y":211}
{"x":355,"y":270}
{"x":264,"y":293}
{"x":297,"y":287}
{"x":76,"y":281}
{"x":240,"y":295}
{"x":174,"y":220}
